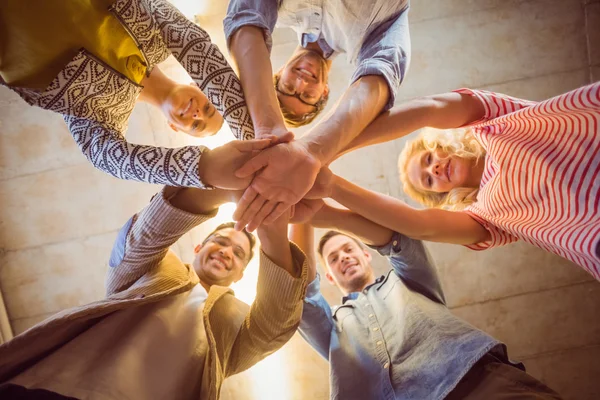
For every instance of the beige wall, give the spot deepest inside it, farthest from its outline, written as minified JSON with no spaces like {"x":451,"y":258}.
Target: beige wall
{"x":59,"y":215}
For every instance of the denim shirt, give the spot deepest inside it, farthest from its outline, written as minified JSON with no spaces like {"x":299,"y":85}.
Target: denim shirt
{"x":396,"y":339}
{"x":373,"y":33}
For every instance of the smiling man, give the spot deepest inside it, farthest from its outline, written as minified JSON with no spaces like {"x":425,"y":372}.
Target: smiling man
{"x":165,"y":329}
{"x":394,"y":332}
{"x":374,"y":34}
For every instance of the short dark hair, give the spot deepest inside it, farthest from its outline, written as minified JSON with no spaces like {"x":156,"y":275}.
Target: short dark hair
{"x":328,"y":235}
{"x":227,"y":225}
{"x":293,"y":120}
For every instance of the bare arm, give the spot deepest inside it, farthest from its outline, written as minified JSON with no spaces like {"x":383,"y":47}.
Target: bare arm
{"x":442,"y":111}
{"x":304,"y":235}
{"x":251,"y":56}
{"x":359,"y":106}
{"x":429,"y":224}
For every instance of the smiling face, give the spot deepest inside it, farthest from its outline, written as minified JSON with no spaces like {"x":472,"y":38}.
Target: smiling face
{"x":303,"y":82}
{"x":188,"y":110}
{"x":222,"y":258}
{"x":435,"y":171}
{"x":348,"y":264}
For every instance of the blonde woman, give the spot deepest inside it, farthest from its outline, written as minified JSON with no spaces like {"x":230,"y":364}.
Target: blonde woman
{"x":521,"y":170}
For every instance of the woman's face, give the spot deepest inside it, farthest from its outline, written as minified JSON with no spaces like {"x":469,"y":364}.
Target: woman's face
{"x":435,"y":171}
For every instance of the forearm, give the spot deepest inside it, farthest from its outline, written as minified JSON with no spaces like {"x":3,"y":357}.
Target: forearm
{"x":443,"y":111}
{"x":144,"y":240}
{"x":198,"y":201}
{"x":361,"y":103}
{"x":251,"y":56}
{"x":303,"y":235}
{"x":275,"y":244}
{"x":428,"y":224}
{"x":108,"y":151}
{"x":350,"y":222}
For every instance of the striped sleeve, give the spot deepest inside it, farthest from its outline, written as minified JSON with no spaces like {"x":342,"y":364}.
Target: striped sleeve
{"x":498,"y":236}
{"x":144,"y":240}
{"x":496,"y":104}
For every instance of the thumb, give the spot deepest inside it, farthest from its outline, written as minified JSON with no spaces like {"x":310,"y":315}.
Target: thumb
{"x":247,"y":146}
{"x":286,"y":137}
{"x":253,"y":165}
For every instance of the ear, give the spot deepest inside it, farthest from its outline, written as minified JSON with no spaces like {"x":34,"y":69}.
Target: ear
{"x":173,"y":127}
{"x":368,"y":255}
{"x":330,"y":278}
{"x":197,"y":249}
{"x":326,"y":90}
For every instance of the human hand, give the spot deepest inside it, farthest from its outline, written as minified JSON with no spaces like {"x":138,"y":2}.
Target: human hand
{"x":305,"y":210}
{"x":323,"y":185}
{"x":284,"y":174}
{"x":217,"y":166}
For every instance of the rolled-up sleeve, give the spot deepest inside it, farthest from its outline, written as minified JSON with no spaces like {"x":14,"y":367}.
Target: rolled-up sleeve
{"x":316,"y":324}
{"x":386,"y":52}
{"x":259,"y":13}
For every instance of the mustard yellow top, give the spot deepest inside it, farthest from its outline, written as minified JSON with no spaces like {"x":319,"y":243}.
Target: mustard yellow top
{"x":39,"y":37}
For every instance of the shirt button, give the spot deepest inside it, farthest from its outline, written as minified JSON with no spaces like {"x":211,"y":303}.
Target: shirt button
{"x":379,"y":343}
{"x":371,"y":315}
{"x":375,"y":329}
{"x":386,"y":365}
{"x":395,"y":243}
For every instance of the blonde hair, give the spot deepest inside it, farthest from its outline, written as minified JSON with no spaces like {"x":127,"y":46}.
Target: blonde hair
{"x":458,"y":142}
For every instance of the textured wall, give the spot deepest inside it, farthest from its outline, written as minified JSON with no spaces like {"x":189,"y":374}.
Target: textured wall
{"x":59,"y":216}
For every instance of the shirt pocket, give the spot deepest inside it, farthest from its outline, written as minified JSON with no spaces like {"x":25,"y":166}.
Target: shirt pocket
{"x":343,"y":316}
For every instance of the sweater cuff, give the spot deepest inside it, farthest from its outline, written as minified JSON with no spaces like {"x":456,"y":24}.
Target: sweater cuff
{"x":281,"y":283}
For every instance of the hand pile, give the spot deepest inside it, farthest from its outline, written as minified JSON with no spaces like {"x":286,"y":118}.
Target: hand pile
{"x":276,"y":173}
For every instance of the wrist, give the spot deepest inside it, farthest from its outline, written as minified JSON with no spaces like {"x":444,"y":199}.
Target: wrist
{"x":314,"y":148}
{"x":335,"y":188}
{"x":323,"y":217}
{"x":203,"y":164}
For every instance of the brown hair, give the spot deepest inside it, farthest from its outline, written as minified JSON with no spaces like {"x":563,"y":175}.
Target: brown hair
{"x":227,"y":225}
{"x":325,"y":238}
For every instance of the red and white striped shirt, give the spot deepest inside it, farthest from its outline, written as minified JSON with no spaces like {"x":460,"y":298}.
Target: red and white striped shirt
{"x":541,"y":182}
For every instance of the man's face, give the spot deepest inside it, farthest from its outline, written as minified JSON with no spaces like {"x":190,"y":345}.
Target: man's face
{"x":348,"y":264}
{"x":222,"y":258}
{"x":303,"y":82}
{"x":188,"y":110}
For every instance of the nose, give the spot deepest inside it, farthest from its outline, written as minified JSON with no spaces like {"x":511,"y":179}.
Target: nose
{"x":435,"y":169}
{"x":225,"y":252}
{"x":300,"y":84}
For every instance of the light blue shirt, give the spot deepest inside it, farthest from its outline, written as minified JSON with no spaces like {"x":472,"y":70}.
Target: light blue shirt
{"x":396,"y":339}
{"x":373,"y":33}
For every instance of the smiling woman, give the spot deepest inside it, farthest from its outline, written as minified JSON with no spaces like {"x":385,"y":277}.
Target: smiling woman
{"x":442,"y":168}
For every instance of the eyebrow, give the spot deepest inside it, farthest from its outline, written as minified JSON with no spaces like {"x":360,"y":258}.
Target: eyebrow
{"x":213,"y":109}
{"x":293,"y":97}
{"x":338,"y":249}
{"x":236,"y":246}
{"x":423,"y":174}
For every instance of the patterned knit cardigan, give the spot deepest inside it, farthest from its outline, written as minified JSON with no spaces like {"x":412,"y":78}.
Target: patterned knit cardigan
{"x":96,"y":101}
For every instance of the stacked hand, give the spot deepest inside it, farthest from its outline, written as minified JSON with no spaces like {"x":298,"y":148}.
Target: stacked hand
{"x":276,"y":173}
{"x":284,"y":174}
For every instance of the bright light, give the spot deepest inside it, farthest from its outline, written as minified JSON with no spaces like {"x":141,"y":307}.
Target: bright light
{"x":191,"y":8}
{"x":269,"y":378}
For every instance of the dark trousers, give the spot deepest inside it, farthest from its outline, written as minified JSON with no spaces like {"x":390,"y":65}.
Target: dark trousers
{"x":16,"y":392}
{"x":492,"y":379}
